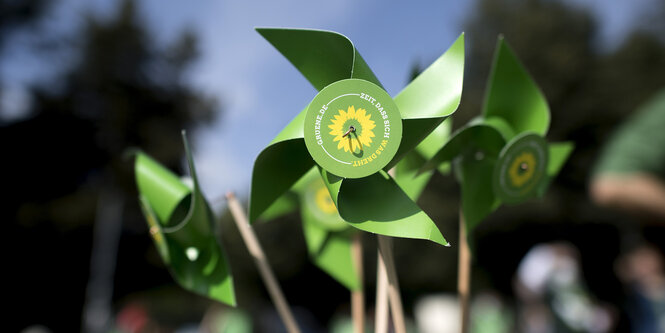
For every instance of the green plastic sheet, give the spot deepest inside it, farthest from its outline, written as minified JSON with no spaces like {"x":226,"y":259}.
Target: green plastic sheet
{"x":375,"y":203}
{"x":514,"y":108}
{"x":183,"y":228}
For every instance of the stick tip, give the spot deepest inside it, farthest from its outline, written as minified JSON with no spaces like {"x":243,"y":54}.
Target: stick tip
{"x":230,"y":195}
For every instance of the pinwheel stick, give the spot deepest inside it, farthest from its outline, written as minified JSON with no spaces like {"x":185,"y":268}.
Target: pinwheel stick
{"x":463,"y":275}
{"x":358,"y":296}
{"x":386,"y":257}
{"x":381,"y":306}
{"x":259,"y":256}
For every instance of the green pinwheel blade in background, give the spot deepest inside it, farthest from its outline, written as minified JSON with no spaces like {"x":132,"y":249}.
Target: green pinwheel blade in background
{"x":431,"y":97}
{"x":331,"y":251}
{"x":286,"y":204}
{"x":559,"y":153}
{"x":513,"y":96}
{"x":478,"y":199}
{"x":377,"y":204}
{"x":476,"y":137}
{"x":407,"y":173}
{"x":188,"y":243}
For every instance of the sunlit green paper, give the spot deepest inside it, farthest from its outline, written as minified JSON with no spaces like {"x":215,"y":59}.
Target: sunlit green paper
{"x":183,"y":228}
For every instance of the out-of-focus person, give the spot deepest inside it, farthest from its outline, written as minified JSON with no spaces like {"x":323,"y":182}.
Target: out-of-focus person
{"x":552,"y":295}
{"x":630,"y":174}
{"x":642,"y":272}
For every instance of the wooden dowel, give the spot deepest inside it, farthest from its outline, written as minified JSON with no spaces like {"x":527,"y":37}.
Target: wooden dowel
{"x":463,"y":275}
{"x":259,"y":256}
{"x":381,"y":306}
{"x":396,"y":310}
{"x":358,"y":296}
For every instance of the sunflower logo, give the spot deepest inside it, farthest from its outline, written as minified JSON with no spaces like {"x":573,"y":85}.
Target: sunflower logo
{"x":352,"y":129}
{"x":522,"y":169}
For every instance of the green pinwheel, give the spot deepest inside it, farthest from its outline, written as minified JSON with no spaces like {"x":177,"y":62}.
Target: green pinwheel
{"x":353,"y":131}
{"x":183,"y":228}
{"x":502,"y":156}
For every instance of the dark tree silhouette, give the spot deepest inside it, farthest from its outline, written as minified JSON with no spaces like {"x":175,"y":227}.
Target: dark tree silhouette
{"x":122,"y":90}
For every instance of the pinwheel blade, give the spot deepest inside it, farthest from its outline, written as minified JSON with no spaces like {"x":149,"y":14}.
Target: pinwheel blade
{"x":331,"y":251}
{"x":477,"y":138}
{"x":431,"y":97}
{"x":377,"y":204}
{"x":559,"y":153}
{"x":323,"y":57}
{"x":188,"y":244}
{"x":406,"y":171}
{"x":278,"y":167}
{"x":478,"y":199}
{"x":513,"y":95}
{"x":284,"y":205}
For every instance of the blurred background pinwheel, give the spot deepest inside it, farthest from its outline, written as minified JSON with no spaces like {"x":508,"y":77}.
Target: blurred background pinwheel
{"x":352,"y":100}
{"x":502,"y":156}
{"x":183,"y":228}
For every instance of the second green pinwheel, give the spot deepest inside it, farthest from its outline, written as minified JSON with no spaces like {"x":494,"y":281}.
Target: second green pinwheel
{"x":353,"y":131}
{"x":502,"y":156}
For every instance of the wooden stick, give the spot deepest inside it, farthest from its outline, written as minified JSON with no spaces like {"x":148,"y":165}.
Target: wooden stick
{"x":358,"y":296}
{"x":267,"y":275}
{"x":385,"y":250}
{"x":381,"y":306}
{"x":463,"y":275}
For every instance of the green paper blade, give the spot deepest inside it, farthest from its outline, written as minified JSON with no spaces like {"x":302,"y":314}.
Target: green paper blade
{"x":559,"y":153}
{"x":327,"y":236}
{"x":331,"y":251}
{"x":406,"y":171}
{"x":514,"y":96}
{"x":476,"y":138}
{"x":278,"y":167}
{"x":323,"y":57}
{"x":431,"y":97}
{"x":377,"y":204}
{"x":195,"y":258}
{"x":161,"y":189}
{"x":407,"y":177}
{"x":478,"y":199}
{"x":284,"y":205}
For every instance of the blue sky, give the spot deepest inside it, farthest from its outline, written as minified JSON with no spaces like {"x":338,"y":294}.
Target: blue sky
{"x":259,"y":90}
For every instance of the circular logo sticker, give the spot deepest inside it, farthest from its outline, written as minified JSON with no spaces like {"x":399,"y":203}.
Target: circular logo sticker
{"x":352,"y":128}
{"x":521,"y":168}
{"x":321,"y":206}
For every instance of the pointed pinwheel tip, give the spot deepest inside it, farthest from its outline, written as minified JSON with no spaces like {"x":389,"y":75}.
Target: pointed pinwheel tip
{"x":230,"y":195}
{"x":500,"y":37}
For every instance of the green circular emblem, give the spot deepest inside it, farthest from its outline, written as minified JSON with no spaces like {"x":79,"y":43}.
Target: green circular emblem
{"x":521,"y":168}
{"x":321,"y":207}
{"x":352,"y":128}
